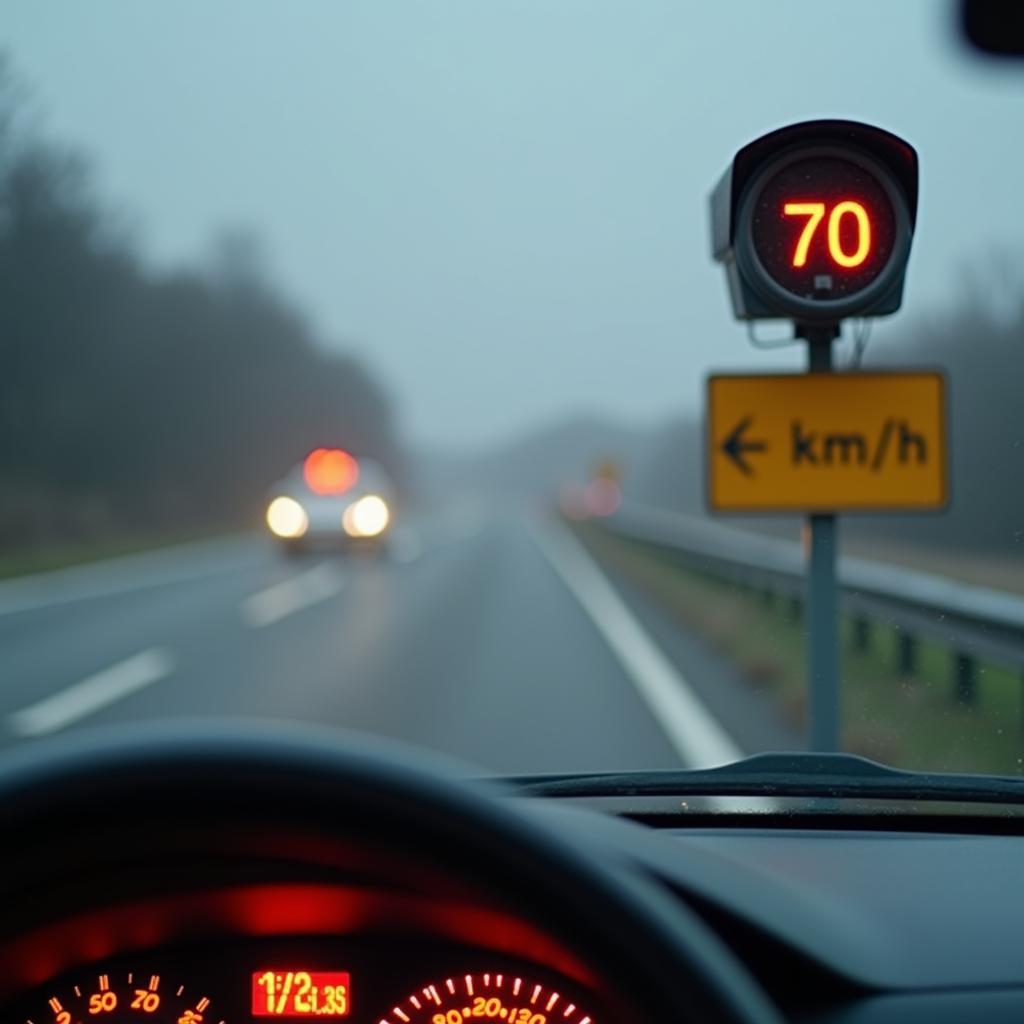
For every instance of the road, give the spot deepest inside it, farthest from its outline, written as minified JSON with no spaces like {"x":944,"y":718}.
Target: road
{"x":496,"y":640}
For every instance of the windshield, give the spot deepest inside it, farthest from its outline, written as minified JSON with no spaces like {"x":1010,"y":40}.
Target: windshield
{"x":390,"y":366}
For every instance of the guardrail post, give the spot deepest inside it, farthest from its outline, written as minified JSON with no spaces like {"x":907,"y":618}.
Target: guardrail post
{"x":906,"y":653}
{"x":861,"y":637}
{"x":965,"y":678}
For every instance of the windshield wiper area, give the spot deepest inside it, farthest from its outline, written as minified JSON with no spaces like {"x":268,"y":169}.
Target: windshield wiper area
{"x":834,"y":776}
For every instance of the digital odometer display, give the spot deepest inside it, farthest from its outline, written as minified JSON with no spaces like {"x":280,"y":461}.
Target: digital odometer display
{"x":823,"y":227}
{"x":292,"y":993}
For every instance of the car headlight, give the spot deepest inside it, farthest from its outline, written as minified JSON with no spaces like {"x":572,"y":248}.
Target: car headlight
{"x":367,"y":517}
{"x":287,"y":518}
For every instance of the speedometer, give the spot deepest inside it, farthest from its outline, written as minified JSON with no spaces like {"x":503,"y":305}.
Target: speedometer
{"x":504,"y":998}
{"x":128,"y":996}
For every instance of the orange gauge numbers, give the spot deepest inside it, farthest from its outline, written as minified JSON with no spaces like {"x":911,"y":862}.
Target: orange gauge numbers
{"x":489,"y":999}
{"x":135,"y":994}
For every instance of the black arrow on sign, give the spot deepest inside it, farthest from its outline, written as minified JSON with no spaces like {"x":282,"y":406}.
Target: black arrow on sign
{"x":736,"y":446}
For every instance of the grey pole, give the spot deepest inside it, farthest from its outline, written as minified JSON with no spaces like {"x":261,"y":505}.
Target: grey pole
{"x":822,"y":611}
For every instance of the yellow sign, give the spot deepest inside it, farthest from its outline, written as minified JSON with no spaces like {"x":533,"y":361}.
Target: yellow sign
{"x":607,"y":469}
{"x":827,"y":442}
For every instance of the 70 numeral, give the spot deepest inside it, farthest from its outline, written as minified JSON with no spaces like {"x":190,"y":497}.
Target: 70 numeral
{"x":815,"y":214}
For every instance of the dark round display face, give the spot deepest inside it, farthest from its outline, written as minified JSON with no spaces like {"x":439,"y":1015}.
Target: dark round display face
{"x":823,"y":228}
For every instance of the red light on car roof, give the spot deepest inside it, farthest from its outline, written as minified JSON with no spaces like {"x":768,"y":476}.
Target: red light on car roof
{"x":330,"y":471}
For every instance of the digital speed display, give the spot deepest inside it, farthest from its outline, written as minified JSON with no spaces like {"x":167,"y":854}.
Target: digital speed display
{"x":813,"y":223}
{"x":823,"y":227}
{"x":292,"y":993}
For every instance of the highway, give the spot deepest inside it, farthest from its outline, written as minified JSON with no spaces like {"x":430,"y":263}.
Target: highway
{"x":495,"y":639}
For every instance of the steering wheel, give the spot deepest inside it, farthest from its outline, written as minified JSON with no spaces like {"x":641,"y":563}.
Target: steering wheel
{"x":90,"y":812}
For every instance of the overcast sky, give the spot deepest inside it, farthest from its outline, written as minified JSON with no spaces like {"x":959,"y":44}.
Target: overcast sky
{"x":502,"y":206}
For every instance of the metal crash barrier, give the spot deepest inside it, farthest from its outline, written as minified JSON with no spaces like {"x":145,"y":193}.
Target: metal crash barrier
{"x":974,"y":623}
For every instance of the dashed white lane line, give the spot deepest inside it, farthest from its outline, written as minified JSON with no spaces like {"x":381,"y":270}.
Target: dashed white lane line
{"x":283,"y":599}
{"x":698,"y":738}
{"x":93,"y":693}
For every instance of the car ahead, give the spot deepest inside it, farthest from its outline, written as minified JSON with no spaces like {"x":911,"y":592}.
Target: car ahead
{"x":332,"y":499}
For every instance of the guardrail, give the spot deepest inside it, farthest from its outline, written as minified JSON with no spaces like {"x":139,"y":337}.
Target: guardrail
{"x":974,"y":623}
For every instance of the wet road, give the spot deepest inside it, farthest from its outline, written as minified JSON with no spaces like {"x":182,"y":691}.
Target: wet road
{"x":497,"y":640}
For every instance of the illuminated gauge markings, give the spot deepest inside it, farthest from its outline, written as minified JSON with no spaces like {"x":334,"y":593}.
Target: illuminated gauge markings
{"x":118,"y":997}
{"x":487,"y":999}
{"x":823,"y":227}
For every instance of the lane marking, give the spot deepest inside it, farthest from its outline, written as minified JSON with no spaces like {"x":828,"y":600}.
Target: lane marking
{"x":266,"y":607}
{"x":93,"y":693}
{"x":697,"y":736}
{"x":127,"y":573}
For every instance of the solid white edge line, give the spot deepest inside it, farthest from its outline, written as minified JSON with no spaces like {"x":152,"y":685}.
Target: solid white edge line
{"x":58,"y":586}
{"x":92,"y":693}
{"x":695,"y":734}
{"x":277,"y":602}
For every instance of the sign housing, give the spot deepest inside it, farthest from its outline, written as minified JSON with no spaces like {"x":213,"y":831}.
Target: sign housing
{"x":813,"y":222}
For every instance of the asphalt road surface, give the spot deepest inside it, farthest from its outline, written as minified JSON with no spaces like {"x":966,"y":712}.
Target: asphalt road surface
{"x":496,"y":640}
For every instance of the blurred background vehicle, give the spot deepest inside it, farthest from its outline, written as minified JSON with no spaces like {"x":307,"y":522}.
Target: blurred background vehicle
{"x":332,"y":500}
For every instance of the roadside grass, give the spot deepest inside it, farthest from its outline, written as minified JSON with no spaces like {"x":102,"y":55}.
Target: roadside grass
{"x":910,"y":722}
{"x":46,"y":557}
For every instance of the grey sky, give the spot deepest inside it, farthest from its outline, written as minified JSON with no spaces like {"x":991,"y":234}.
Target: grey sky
{"x":502,"y":206}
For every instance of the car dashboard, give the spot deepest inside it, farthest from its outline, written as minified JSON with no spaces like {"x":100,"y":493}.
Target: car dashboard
{"x":293,"y":952}
{"x":204,"y":920}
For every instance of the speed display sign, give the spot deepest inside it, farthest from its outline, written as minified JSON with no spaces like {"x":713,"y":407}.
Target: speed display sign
{"x":814,"y":222}
{"x":822,"y":226}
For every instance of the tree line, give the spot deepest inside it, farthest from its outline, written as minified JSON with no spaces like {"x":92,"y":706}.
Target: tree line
{"x":134,"y":402}
{"x":978,"y":340}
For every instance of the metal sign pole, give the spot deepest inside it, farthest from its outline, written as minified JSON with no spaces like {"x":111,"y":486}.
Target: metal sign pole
{"x":822,"y":603}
